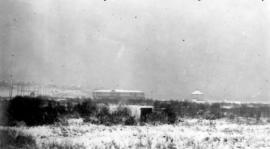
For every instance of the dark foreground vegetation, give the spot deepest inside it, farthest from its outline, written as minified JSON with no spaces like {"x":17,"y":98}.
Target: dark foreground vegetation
{"x":33,"y":111}
{"x":14,"y":139}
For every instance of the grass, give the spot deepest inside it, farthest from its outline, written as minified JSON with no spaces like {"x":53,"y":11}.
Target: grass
{"x":12,"y":139}
{"x":62,"y":145}
{"x":192,"y":134}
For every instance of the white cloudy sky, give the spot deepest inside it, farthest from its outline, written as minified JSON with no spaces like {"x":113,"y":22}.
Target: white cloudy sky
{"x":166,"y":48}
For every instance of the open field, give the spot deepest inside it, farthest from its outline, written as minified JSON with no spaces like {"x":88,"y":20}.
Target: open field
{"x":44,"y":123}
{"x":192,"y":133}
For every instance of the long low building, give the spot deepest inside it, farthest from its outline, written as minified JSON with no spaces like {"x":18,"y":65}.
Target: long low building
{"x":118,"y":94}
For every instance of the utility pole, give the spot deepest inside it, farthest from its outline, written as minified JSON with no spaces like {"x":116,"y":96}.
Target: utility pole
{"x":11,"y":77}
{"x":11,"y":87}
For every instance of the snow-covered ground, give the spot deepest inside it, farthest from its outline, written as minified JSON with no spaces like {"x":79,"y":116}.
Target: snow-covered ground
{"x":193,"y":134}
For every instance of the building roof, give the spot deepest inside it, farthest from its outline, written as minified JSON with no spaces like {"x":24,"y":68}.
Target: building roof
{"x":119,"y":90}
{"x":197,"y":92}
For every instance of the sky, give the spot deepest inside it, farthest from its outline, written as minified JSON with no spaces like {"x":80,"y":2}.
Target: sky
{"x":166,"y":48}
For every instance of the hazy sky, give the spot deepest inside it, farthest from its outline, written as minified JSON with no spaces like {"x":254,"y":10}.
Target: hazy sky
{"x":165,"y":48}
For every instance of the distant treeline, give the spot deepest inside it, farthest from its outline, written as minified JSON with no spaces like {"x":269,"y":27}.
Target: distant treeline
{"x":47,"y":110}
{"x":215,"y":110}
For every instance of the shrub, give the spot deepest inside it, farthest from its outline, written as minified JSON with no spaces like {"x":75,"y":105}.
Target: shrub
{"x":60,"y":145}
{"x":120,"y":115}
{"x":130,"y":121}
{"x":10,"y":139}
{"x":169,"y":109}
{"x":157,"y":118}
{"x":216,"y":111}
{"x":3,"y":112}
{"x":171,"y":115}
{"x":209,"y":116}
{"x":43,"y":110}
{"x":31,"y":110}
{"x":91,"y":119}
{"x":231,"y":116}
{"x":86,"y":108}
{"x":104,"y":116}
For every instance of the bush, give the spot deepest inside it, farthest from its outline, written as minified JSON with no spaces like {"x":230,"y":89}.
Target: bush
{"x":130,"y":121}
{"x":216,"y":111}
{"x":10,"y":139}
{"x":60,"y":145}
{"x":32,"y":111}
{"x":169,"y":109}
{"x":39,"y":111}
{"x":86,"y":108}
{"x":209,"y":116}
{"x":3,"y":112}
{"x":171,"y":115}
{"x":120,"y":115}
{"x":231,"y":116}
{"x":157,"y":118}
{"x":91,"y":119}
{"x":104,"y":116}
{"x":43,"y":110}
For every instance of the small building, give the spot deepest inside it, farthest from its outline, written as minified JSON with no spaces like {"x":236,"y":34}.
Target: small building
{"x":197,"y":96}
